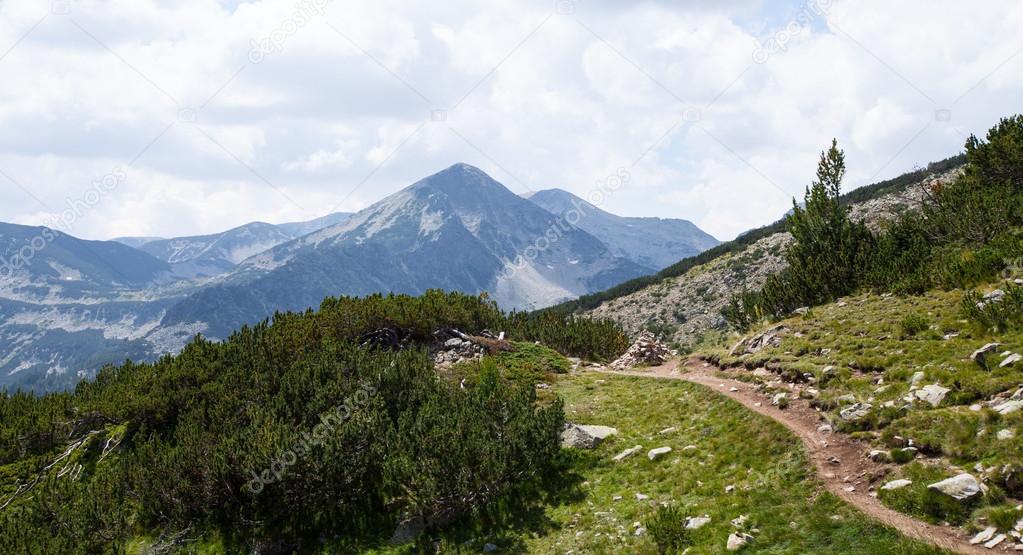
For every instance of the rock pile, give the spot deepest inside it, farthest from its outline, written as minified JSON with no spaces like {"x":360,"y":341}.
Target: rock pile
{"x":457,"y":350}
{"x":646,"y":350}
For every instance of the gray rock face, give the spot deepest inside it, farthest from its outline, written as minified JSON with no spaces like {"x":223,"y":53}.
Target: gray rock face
{"x":1010,"y":360}
{"x":962,"y":487}
{"x":1009,"y":407}
{"x":578,"y":436}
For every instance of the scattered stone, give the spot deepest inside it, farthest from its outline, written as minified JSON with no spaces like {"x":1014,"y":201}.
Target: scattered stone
{"x":1010,"y":360}
{"x":855,"y":412}
{"x":801,"y":311}
{"x":779,"y":399}
{"x":578,"y":436}
{"x":740,"y":520}
{"x":995,"y":296}
{"x":627,"y":453}
{"x":666,"y":431}
{"x":1005,"y":435}
{"x":932,"y":394}
{"x":697,"y":522}
{"x":689,"y":449}
{"x":641,"y":497}
{"x":984,"y":535}
{"x":976,"y":408}
{"x":646,"y":350}
{"x":733,"y":389}
{"x":847,"y":399}
{"x":639,"y":531}
{"x":949,"y":336}
{"x":729,"y":489}
{"x":825,"y":428}
{"x":962,"y":487}
{"x":896,"y":484}
{"x":653,"y":454}
{"x":617,"y":498}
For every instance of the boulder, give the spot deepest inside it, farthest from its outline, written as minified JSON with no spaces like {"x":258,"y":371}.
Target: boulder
{"x":578,"y":436}
{"x":932,"y":394}
{"x":896,"y":484}
{"x":962,"y":487}
{"x":855,"y":412}
{"x":653,"y":454}
{"x":1005,"y":435}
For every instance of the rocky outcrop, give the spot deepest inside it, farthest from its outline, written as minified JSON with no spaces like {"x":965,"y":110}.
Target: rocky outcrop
{"x":760,"y":341}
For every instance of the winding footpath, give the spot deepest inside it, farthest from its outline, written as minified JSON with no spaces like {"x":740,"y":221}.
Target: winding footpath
{"x":842,"y":462}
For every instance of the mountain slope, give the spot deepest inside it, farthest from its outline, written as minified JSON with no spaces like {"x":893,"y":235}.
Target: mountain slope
{"x":683,"y":303}
{"x":651,"y":242}
{"x":458,"y":229}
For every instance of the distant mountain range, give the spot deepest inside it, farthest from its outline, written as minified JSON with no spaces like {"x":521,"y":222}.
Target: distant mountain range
{"x":650,"y":242}
{"x":77,"y":305}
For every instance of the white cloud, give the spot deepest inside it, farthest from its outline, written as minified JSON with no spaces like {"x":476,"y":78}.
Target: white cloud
{"x":340,"y":109}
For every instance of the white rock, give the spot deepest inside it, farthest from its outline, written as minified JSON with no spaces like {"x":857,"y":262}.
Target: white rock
{"x":639,"y":531}
{"x":670,"y":430}
{"x":628,"y":453}
{"x":855,"y":412}
{"x":896,"y":484}
{"x":729,"y":489}
{"x":979,"y":356}
{"x":961,"y":487}
{"x":994,"y":542}
{"x":1005,"y":435}
{"x":1010,"y":360}
{"x":917,"y":378}
{"x":984,"y":535}
{"x":737,"y":541}
{"x":932,"y":394}
{"x":697,"y":522}
{"x":740,"y":520}
{"x":779,"y":398}
{"x":1009,"y":407}
{"x":653,"y":454}
{"x":642,"y":497}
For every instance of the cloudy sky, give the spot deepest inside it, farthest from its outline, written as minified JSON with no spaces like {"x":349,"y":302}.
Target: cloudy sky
{"x":141,"y":117}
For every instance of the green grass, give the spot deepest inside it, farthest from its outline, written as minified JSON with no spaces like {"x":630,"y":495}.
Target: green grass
{"x":876,"y":344}
{"x":576,"y":510}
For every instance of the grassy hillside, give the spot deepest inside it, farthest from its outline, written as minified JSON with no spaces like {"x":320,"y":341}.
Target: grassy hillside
{"x":590,"y":505}
{"x":879,"y":350}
